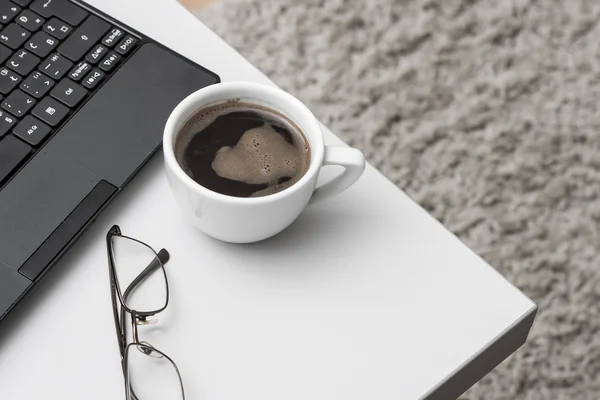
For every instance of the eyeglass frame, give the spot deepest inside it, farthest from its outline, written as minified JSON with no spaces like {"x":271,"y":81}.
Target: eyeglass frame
{"x":137,"y":317}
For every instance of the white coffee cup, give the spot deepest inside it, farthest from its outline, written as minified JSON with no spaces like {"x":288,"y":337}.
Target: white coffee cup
{"x":245,"y":220}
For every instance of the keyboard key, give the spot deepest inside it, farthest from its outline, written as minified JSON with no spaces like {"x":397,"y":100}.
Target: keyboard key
{"x":62,"y":9}
{"x":37,"y":84}
{"x":12,"y":153}
{"x":79,"y":71}
{"x":112,"y":37}
{"x":8,"y":80}
{"x":50,"y":111}
{"x":93,"y":78}
{"x":5,"y":52}
{"x":14,"y":36}
{"x":8,"y":11}
{"x":55,"y":66}
{"x":7,"y":121}
{"x":41,"y":44}
{"x":68,"y":92}
{"x":23,"y":62}
{"x":18,"y":103}
{"x":29,"y":20}
{"x":22,"y":3}
{"x":96,"y":54}
{"x":57,"y":28}
{"x":110,"y":62}
{"x":126,"y":45}
{"x":32,"y":130}
{"x":83,"y":38}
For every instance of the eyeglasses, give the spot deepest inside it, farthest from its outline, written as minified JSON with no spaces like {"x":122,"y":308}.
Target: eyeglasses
{"x":138,"y":279}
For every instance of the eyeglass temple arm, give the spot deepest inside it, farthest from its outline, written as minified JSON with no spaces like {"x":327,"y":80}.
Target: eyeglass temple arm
{"x":163,"y":257}
{"x":115,"y":230}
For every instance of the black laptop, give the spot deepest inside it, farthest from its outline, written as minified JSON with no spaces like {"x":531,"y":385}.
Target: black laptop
{"x":83,"y":103}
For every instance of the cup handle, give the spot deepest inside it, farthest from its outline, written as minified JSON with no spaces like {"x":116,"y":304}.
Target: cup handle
{"x":353,"y":162}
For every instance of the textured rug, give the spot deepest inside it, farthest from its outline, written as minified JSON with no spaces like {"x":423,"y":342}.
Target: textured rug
{"x":485,"y":112}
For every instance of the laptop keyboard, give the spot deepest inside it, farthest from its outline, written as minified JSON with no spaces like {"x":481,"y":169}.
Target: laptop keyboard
{"x":54,"y":55}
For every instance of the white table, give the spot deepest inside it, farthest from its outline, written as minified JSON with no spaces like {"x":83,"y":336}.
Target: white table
{"x":364,"y":297}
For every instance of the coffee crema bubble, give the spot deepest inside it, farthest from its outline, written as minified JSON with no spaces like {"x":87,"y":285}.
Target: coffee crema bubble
{"x":243,"y":150}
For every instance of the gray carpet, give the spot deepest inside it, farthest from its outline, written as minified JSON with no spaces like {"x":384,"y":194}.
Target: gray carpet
{"x":486,"y":113}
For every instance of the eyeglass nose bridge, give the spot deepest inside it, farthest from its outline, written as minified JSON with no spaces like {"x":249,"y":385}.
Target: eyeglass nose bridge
{"x":145,"y":321}
{"x":137,"y":320}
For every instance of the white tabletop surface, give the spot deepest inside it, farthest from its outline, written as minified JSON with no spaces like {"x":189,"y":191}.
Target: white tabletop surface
{"x":364,"y":297}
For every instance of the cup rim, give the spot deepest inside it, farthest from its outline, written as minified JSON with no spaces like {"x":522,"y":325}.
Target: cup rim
{"x":284,"y":102}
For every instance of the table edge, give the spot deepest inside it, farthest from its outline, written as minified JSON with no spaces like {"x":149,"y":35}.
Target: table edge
{"x":485,"y":360}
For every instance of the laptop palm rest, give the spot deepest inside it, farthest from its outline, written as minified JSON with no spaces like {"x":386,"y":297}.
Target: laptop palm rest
{"x":89,"y":159}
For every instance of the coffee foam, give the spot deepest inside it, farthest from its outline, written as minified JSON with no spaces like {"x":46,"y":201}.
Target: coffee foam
{"x":262,"y":155}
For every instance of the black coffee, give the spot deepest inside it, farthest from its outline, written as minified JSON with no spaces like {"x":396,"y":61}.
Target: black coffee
{"x":242,"y":150}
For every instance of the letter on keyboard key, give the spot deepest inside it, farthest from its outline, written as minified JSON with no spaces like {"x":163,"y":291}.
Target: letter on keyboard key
{"x":109,"y":62}
{"x":29,"y":20}
{"x":79,"y":71}
{"x":37,"y":84}
{"x":57,"y":28}
{"x":41,"y":44}
{"x":8,"y":80}
{"x":7,"y":11}
{"x":68,"y":92}
{"x":32,"y":130}
{"x":83,"y":38}
{"x":12,"y":153}
{"x":23,"y":62}
{"x":126,"y":45}
{"x":18,"y":103}
{"x":62,"y":9}
{"x":6,"y":122}
{"x":93,"y":78}
{"x":14,"y":36}
{"x":55,"y":66}
{"x":96,"y":54}
{"x":112,"y":37}
{"x":50,"y":111}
